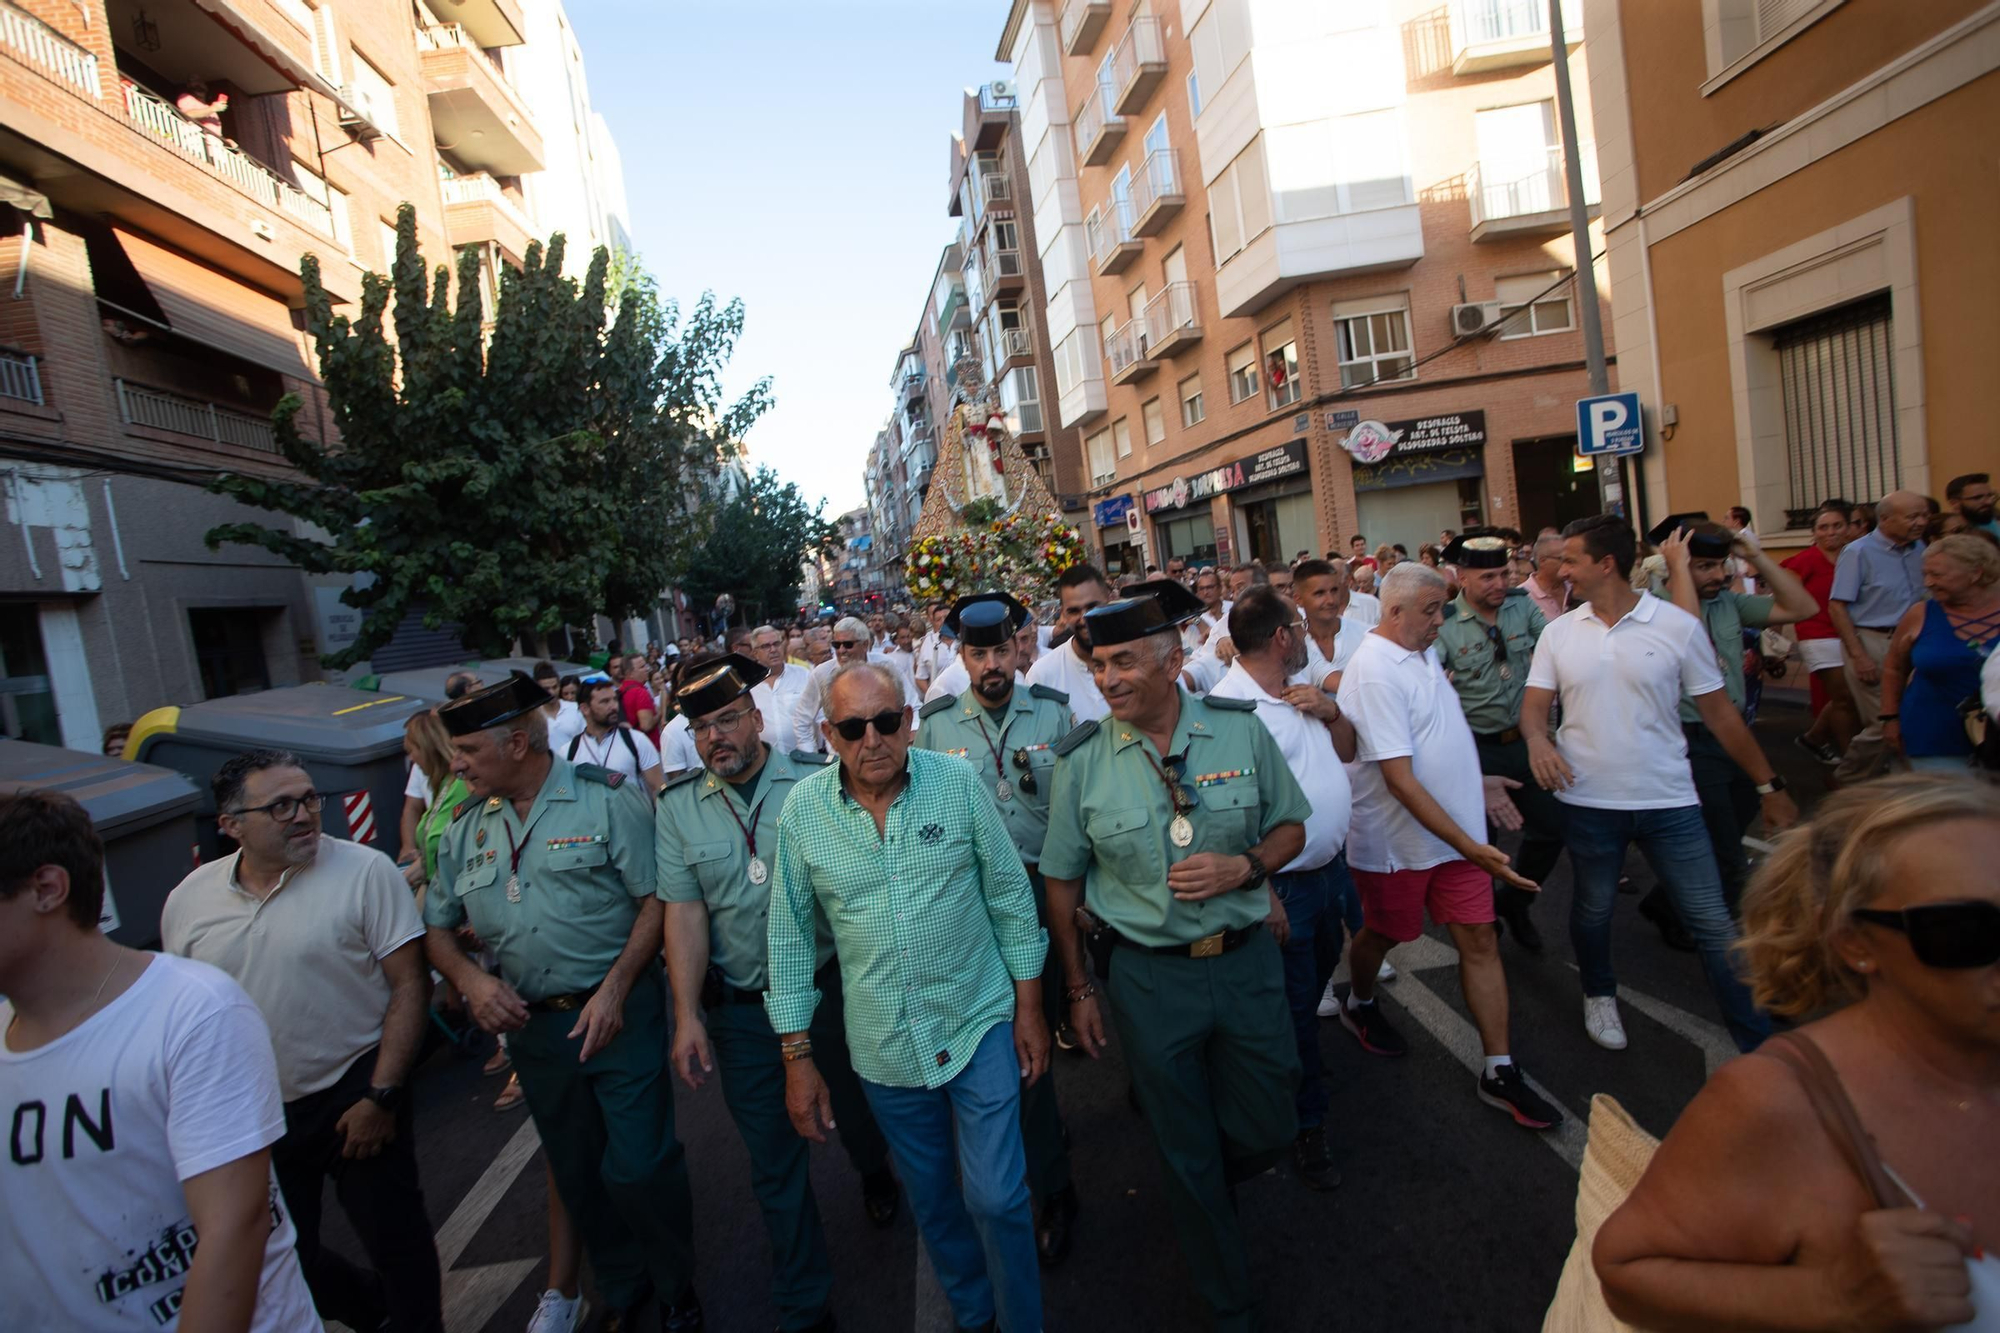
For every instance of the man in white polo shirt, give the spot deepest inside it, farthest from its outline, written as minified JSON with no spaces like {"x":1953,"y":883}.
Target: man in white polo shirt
{"x":1080,"y":589}
{"x":779,"y":691}
{"x":324,"y":935}
{"x":1621,"y":662}
{"x":1418,"y":840}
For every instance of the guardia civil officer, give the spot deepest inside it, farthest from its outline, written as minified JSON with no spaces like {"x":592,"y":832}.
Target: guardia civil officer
{"x":551,"y":864}
{"x":1009,"y":735}
{"x":716,"y":836}
{"x":1164,"y":821}
{"x":1485,"y":644}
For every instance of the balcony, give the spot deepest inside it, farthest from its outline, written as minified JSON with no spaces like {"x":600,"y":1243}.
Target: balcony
{"x":956,"y":312}
{"x":912,"y":387}
{"x":151,"y":116}
{"x":1173,"y":323}
{"x":1519,"y":197}
{"x":20,"y":377}
{"x":995,"y":111}
{"x":1113,"y":248}
{"x":1006,"y":275}
{"x":1138,"y":63}
{"x":473,"y":108}
{"x":1098,"y":129}
{"x":34,"y":43}
{"x":1083,"y":22}
{"x":998,"y":187}
{"x":1156,"y":192}
{"x":1501,"y":34}
{"x":478,"y":212}
{"x":141,"y":405}
{"x":1013,"y":347}
{"x":1126,"y":349}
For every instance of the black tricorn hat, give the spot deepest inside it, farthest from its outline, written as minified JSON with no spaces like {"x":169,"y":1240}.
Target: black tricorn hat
{"x":1478,"y":548}
{"x":715,"y":683}
{"x":986,"y":619}
{"x":1708,"y":540}
{"x":489,"y":707}
{"x":1152,"y":607}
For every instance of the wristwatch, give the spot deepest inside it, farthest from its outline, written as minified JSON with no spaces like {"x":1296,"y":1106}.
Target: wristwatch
{"x":1258,"y":874}
{"x":1776,"y":784}
{"x":387,"y":1098}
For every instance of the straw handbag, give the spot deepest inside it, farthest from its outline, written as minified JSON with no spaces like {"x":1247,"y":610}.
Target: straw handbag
{"x":1612,"y":1165}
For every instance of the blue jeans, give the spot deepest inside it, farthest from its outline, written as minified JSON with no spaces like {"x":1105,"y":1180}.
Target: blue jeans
{"x":1315,"y":903}
{"x":981,"y":1240}
{"x":1676,"y":845}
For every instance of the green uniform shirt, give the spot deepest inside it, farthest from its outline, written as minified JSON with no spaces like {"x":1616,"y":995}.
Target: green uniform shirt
{"x":933,"y":917}
{"x":1023,"y":741}
{"x":586,"y":856}
{"x":1726,"y":615}
{"x":704,"y":857}
{"x":1109,"y":812}
{"x":1489,"y":685}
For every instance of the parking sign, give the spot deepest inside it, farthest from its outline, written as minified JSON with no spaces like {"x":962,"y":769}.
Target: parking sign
{"x":1609,"y":424}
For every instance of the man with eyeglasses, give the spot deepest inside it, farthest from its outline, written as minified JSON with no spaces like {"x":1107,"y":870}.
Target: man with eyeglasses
{"x":1009,"y":734}
{"x":778,"y":692}
{"x":850,"y":646}
{"x":1065,"y":667}
{"x":716,"y":836}
{"x":904,"y":858}
{"x":322,"y":933}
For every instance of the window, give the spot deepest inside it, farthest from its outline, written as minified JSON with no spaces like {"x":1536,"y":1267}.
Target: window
{"x":1240,"y":202}
{"x":326,"y":46}
{"x":374,"y":95}
{"x":229,"y":649}
{"x":1194,"y":93}
{"x":385,"y":230}
{"x":1529,"y":307}
{"x":1156,"y":421}
{"x":1156,"y":136}
{"x":1520,"y":161}
{"x":1121,"y":434}
{"x":1281,"y":364}
{"x":1105,"y":328}
{"x":1839,"y":393}
{"x":1021,"y":399}
{"x":1103,"y":469}
{"x":27,"y":699}
{"x":1191,"y":409}
{"x":1242,"y":373}
{"x":1373,"y":338}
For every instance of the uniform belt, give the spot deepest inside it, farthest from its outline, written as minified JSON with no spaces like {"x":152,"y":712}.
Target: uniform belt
{"x":1507,"y":737}
{"x":561,"y":1004}
{"x":728,"y":994}
{"x":1208,"y":946}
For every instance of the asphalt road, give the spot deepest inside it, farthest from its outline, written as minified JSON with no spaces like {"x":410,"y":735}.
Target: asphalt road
{"x":1450,"y":1217}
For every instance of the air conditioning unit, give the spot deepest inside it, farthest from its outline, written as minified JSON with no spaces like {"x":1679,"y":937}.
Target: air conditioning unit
{"x":362,"y":102}
{"x":1475,"y":317}
{"x":1001,"y":88}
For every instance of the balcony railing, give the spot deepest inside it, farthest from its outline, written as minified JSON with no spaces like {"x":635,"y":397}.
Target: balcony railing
{"x":1172,"y":319}
{"x":20,"y":377}
{"x":144,"y":406}
{"x":1015,"y":343}
{"x":998,"y":186}
{"x":1157,"y":192}
{"x":1138,"y":63}
{"x":991,"y":99}
{"x":34,"y":42}
{"x":152,"y":116}
{"x":1503,"y":190}
{"x":1082,"y":22}
{"x":483,"y":189}
{"x":1480,"y":22}
{"x":1097,"y":128}
{"x":1109,"y":233}
{"x":453,"y":37}
{"x":913,"y":382}
{"x":1125,"y":349}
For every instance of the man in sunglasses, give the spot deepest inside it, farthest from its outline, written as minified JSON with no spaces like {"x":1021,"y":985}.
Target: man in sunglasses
{"x":1065,"y":667}
{"x":716,"y":835}
{"x":1168,"y":817}
{"x":902,"y":856}
{"x":1009,"y":734}
{"x":851,"y":644}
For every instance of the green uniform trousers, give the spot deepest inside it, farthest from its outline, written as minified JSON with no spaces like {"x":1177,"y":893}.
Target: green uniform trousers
{"x":607,"y":1125}
{"x":753,"y":1086}
{"x":1213,"y":1061}
{"x":1042,"y":1135}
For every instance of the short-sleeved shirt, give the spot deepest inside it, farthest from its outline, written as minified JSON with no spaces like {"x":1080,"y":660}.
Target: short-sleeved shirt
{"x":1725,"y":616}
{"x":1878,"y":580}
{"x":1815,"y":571}
{"x":309,"y":953}
{"x":1109,"y":814}
{"x":634,"y":698}
{"x":703,"y":833}
{"x":1402,"y":707}
{"x":1550,"y":604}
{"x":586,"y":858}
{"x":1364,"y":608}
{"x":1022,"y":740}
{"x":1061,"y":669}
{"x":1319,"y":666}
{"x":775,"y":697}
{"x":677,"y":751}
{"x":1308,"y":750}
{"x":610,"y":751}
{"x":1489,"y":684}
{"x":1621,"y":687}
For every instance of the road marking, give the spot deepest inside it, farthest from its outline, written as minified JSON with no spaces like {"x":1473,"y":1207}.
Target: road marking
{"x":1713,"y":1039}
{"x":1759,"y":845}
{"x":474,"y":1295}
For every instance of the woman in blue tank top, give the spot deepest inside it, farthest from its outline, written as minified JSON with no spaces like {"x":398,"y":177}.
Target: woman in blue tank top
{"x":1938,"y":650}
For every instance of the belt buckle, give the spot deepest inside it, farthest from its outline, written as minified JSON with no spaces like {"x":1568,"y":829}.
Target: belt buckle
{"x":1208,"y":946}
{"x":563,"y":1004}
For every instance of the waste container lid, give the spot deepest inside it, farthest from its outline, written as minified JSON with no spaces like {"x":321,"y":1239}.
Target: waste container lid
{"x":121,"y":796}
{"x":327,"y":723}
{"x":428,"y":682}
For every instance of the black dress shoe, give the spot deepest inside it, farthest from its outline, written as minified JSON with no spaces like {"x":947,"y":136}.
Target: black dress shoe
{"x":1656,"y":909}
{"x":1512,"y":906}
{"x":881,"y":1198}
{"x":1052,"y":1227}
{"x":1315,"y":1169}
{"x":684,"y":1315}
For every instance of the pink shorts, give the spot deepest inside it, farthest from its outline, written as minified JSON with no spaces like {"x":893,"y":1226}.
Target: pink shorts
{"x":1393,"y":904}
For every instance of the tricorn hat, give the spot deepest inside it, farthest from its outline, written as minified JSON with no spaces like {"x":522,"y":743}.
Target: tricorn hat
{"x":1478,"y":548}
{"x":489,"y":707}
{"x":714,"y":683}
{"x":986,"y":619}
{"x":1709,"y":541}
{"x":1152,"y":607}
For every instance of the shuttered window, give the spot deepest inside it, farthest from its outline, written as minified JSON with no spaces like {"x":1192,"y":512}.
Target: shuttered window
{"x":1837,"y":376}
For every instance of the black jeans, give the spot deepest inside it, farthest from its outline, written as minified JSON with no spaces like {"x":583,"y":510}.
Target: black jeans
{"x":383,"y":1201}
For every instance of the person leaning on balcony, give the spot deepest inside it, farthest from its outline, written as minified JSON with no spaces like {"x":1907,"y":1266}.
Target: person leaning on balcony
{"x":204,"y":110}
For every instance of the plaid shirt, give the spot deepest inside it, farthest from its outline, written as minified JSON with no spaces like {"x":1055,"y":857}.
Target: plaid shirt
{"x":933,"y":920}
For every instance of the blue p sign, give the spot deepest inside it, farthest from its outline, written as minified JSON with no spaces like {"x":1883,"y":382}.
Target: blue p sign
{"x":1609,"y":424}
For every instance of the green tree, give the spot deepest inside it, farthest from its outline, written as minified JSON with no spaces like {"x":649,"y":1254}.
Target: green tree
{"x":511,"y":484}
{"x":760,"y":535}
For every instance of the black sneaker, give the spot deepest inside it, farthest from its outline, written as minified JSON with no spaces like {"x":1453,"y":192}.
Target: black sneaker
{"x":880,"y":1197}
{"x":1052,"y":1227}
{"x":1512,"y":906}
{"x":684,"y":1315}
{"x":1506,"y":1090}
{"x":1372,"y":1030}
{"x":1315,"y":1169}
{"x":1822,"y":752}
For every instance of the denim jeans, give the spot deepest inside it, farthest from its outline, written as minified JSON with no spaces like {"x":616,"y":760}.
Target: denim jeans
{"x":981,"y":1239}
{"x":1315,"y":901}
{"x":1676,"y":845}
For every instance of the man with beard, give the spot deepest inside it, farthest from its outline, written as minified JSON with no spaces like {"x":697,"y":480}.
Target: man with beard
{"x":607,"y":742}
{"x":1972,"y":496}
{"x":716,"y":833}
{"x":1065,"y":667}
{"x":1009,"y":736}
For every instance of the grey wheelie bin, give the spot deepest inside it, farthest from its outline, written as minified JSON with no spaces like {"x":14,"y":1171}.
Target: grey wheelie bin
{"x":428,"y":682}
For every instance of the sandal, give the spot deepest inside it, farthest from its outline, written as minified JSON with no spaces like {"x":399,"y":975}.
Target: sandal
{"x":499,"y":1063}
{"x":510,"y":1096}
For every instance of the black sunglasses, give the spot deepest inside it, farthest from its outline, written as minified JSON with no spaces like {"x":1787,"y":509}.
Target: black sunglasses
{"x":1499,"y":642}
{"x":1026,"y":782}
{"x":854,"y":728}
{"x":1951,"y":935}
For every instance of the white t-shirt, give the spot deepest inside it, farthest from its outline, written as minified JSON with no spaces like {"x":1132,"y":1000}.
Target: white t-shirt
{"x":1363,"y":608}
{"x":610,"y":751}
{"x":1403,"y":707}
{"x":418,"y":787}
{"x":775,"y":697}
{"x":1621,"y":688}
{"x":1061,"y":669}
{"x":955,"y":680}
{"x":677,"y":752}
{"x":1345,"y":640}
{"x":1309,"y":753}
{"x":172,"y":1079}
{"x":566,"y":724}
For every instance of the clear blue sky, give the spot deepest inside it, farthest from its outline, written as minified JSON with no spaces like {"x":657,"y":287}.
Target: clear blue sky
{"x":794,"y":153}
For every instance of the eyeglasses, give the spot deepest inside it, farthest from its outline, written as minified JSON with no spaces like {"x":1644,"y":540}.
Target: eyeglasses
{"x":1953,"y":935}
{"x":854,"y":728}
{"x":720,"y":723}
{"x":284,"y":807}
{"x":846,"y":643}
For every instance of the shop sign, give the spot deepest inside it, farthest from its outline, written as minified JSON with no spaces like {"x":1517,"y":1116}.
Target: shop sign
{"x":1274,"y":464}
{"x":1343,"y":418}
{"x":1373,"y":441}
{"x":1111,"y":513}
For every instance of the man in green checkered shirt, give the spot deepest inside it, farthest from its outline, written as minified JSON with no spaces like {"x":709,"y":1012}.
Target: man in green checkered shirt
{"x":906,"y":858}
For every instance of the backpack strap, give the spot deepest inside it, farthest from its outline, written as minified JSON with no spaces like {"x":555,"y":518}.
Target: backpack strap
{"x":631,"y":746}
{"x":574,"y":742}
{"x":1836,"y":1114}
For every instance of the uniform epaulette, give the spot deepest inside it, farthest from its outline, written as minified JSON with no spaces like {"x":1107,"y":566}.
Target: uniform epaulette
{"x":685,"y":775}
{"x":598,"y":773}
{"x":938,"y":705}
{"x":1045,"y":692}
{"x":1078,"y":734}
{"x":811,"y":757}
{"x":1235,"y":705}
{"x":458,"y":811}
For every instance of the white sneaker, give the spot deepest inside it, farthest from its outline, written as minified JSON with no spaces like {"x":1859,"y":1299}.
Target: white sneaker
{"x":557,"y":1313}
{"x":1329,"y":1003}
{"x":1601,"y":1021}
{"x":1387,"y":972}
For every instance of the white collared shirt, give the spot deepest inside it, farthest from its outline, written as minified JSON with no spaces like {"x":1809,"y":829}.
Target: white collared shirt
{"x":775,"y":697}
{"x":1346,"y":640}
{"x":1061,"y":669}
{"x":1308,"y":750}
{"x":1363,"y":608}
{"x":1403,"y":707}
{"x":1621,"y":688}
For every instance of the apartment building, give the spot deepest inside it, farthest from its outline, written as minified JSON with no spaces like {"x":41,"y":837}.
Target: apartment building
{"x":1799,"y":199}
{"x":1277,"y":239}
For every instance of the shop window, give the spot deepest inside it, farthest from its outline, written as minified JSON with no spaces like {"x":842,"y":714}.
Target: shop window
{"x":1192,"y":410}
{"x":1242,"y":373}
{"x":27,"y":701}
{"x":1281,"y":365}
{"x":1373,"y":338}
{"x":1156,"y":421}
{"x":1535,"y":303}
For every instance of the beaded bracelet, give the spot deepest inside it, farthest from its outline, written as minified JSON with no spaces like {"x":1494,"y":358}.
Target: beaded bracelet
{"x":1075,"y":993}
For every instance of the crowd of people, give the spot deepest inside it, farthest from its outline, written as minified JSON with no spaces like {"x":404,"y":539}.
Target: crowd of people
{"x":876,"y":876}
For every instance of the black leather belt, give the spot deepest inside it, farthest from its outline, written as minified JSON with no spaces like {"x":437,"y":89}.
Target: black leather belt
{"x":1208,"y":946}
{"x":1507,"y":737}
{"x":719,"y":991}
{"x":561,"y":1004}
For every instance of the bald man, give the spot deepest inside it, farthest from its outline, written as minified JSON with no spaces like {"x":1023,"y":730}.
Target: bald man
{"x":1878,"y":578}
